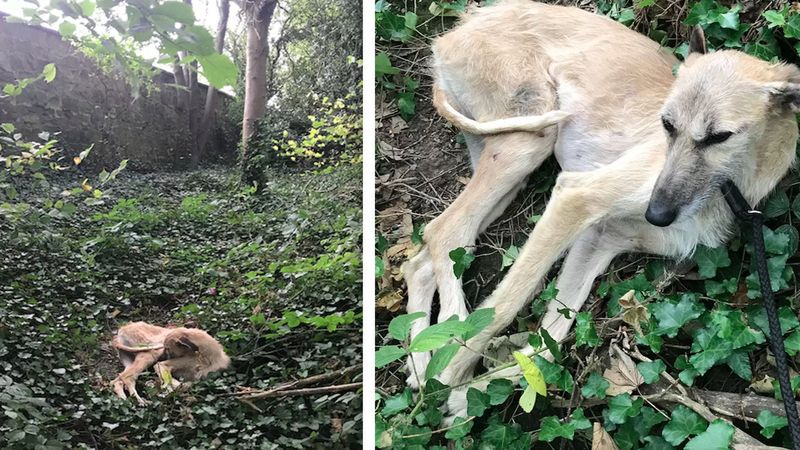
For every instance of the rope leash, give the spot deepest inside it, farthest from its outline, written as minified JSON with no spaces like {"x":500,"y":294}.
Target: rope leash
{"x":745,"y":213}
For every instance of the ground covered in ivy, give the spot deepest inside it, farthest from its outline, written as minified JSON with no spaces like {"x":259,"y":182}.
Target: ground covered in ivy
{"x":651,"y":328}
{"x":273,"y":273}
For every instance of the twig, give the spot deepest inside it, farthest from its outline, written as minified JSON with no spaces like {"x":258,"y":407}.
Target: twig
{"x":305,"y":391}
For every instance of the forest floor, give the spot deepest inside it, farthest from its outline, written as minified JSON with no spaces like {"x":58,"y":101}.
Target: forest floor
{"x":274,"y":274}
{"x":421,"y":167}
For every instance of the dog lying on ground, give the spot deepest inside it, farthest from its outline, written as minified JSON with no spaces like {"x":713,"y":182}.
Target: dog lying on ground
{"x":186,"y":353}
{"x":643,"y":152}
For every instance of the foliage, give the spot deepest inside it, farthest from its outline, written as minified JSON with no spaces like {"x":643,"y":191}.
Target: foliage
{"x":709,"y":327}
{"x":114,"y":33}
{"x":274,"y":275}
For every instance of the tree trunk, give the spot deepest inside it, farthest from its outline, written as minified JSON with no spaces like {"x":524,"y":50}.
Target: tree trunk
{"x":207,"y":121}
{"x":256,"y":76}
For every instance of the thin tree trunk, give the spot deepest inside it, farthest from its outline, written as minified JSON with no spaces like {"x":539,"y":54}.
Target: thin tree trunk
{"x":256,"y":77}
{"x":207,"y":122}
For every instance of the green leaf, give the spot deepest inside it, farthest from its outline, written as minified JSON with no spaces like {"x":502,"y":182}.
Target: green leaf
{"x":387,"y":354}
{"x":397,"y":403}
{"x":651,"y":371}
{"x":8,"y":127}
{"x":66,"y":29}
{"x":552,"y":428}
{"x":657,"y":443}
{"x":718,"y":436}
{"x":595,"y":386}
{"x":479,"y":319}
{"x":438,"y":335}
{"x":578,"y":418}
{"x":509,"y":256}
{"x":460,"y":428}
{"x":646,"y":420}
{"x":683,"y":423}
{"x":383,"y":66}
{"x":730,"y":19}
{"x":461,"y":260}
{"x":585,"y":332}
{"x":672,"y":316}
{"x":400,"y":326}
{"x":776,"y":205}
{"x":551,"y":344}
{"x":49,"y":72}
{"x":178,"y":11}
{"x":499,"y":390}
{"x":621,"y":407}
{"x":792,"y":27}
{"x":739,"y":362}
{"x":440,"y":360}
{"x":477,"y":402}
{"x":641,"y":4}
{"x":379,"y":268}
{"x":219,"y":70}
{"x":408,"y":106}
{"x":775,"y":243}
{"x":710,"y":259}
{"x":714,"y":351}
{"x":774,"y":18}
{"x":771,"y":422}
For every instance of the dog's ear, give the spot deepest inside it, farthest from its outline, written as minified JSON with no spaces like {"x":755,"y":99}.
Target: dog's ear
{"x":697,"y":41}
{"x":785,"y":95}
{"x":184,"y":341}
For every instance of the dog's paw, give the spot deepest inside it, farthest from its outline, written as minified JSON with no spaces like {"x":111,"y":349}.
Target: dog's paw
{"x":456,"y":405}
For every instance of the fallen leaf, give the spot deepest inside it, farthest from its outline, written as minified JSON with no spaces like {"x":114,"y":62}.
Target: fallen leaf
{"x":634,"y":313}
{"x":601,"y":440}
{"x":391,"y":301}
{"x":762,"y":385}
{"x":622,"y":375}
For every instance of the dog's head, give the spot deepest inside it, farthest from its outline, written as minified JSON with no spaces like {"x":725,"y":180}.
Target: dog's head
{"x":716,"y":118}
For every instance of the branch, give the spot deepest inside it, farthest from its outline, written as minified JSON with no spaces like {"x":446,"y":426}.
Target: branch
{"x":306,"y":391}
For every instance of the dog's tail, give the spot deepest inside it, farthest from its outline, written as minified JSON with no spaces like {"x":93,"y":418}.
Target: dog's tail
{"x":511,"y":124}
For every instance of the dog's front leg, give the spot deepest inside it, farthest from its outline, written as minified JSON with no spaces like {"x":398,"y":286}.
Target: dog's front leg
{"x":579,"y":201}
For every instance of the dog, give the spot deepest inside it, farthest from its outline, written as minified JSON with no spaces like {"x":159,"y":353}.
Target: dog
{"x":186,"y":353}
{"x":643,"y":154}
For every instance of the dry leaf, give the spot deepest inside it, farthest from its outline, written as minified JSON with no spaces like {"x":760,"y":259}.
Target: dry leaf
{"x":391,"y":301}
{"x":622,"y":375}
{"x":601,"y":440}
{"x":463,"y":180}
{"x":763,"y":385}
{"x":397,"y":125}
{"x":634,"y":313}
{"x":388,"y":151}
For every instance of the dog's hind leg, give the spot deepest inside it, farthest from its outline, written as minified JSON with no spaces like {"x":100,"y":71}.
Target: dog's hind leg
{"x":579,"y":201}
{"x":127,"y":378}
{"x":504,"y":164}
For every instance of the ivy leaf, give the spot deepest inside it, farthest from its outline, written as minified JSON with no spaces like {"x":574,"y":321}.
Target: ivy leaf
{"x":552,"y":428}
{"x":387,"y":354}
{"x":771,"y":422}
{"x":774,"y":18}
{"x":49,"y":72}
{"x":646,"y":420}
{"x":776,"y":205}
{"x":438,"y":335}
{"x":460,"y":428}
{"x":775,"y":243}
{"x":718,"y":436}
{"x":509,"y":256}
{"x":477,"y":402}
{"x":585,"y":332}
{"x":595,"y":386}
{"x":710,"y":259}
{"x":397,"y":403}
{"x":672,"y":316}
{"x":66,"y":29}
{"x":440,"y":360}
{"x":551,"y":344}
{"x":739,"y":362}
{"x":657,"y":443}
{"x":461,"y":261}
{"x":578,"y":418}
{"x":479,"y":319}
{"x":383,"y":66}
{"x":683,"y":423}
{"x":400,"y":326}
{"x":651,"y":371}
{"x":621,"y":407}
{"x":554,"y":374}
{"x":499,"y":435}
{"x":792,"y":27}
{"x":715,"y":351}
{"x":499,"y":390}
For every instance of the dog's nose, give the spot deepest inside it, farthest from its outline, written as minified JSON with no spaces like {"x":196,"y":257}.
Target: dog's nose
{"x":660,"y":215}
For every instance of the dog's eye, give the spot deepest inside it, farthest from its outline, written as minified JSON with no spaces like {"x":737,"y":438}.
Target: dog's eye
{"x":668,"y":126}
{"x":717,"y":138}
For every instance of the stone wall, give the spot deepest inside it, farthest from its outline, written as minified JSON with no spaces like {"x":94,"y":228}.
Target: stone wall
{"x":87,"y":107}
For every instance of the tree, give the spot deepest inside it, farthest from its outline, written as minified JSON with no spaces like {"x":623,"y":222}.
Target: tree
{"x":259,"y":16}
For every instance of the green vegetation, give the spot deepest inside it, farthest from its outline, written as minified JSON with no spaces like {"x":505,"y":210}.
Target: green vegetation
{"x":707,"y":331}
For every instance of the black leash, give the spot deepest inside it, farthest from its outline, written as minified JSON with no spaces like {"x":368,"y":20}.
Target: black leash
{"x":745,"y":213}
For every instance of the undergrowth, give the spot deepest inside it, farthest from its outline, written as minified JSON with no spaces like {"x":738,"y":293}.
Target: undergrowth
{"x":644,"y":327}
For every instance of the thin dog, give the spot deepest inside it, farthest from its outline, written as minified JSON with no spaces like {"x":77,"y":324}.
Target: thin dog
{"x":643,"y":153}
{"x":186,"y":353}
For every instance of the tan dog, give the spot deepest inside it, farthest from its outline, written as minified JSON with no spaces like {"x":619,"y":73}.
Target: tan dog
{"x":186,"y":353}
{"x":643,"y":154}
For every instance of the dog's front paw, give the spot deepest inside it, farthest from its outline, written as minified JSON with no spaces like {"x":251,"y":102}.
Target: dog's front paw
{"x":417,"y":364}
